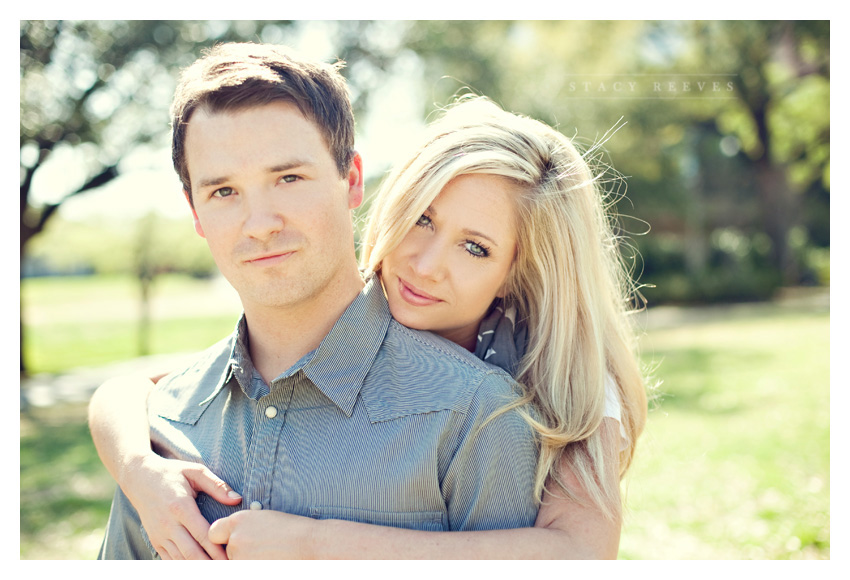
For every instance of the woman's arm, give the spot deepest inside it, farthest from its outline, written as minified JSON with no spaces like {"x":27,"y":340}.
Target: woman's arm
{"x":163,"y":491}
{"x":563,"y":530}
{"x":119,"y":423}
{"x":585,"y":533}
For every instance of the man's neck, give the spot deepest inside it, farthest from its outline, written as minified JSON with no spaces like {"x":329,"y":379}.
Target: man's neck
{"x":280,"y":337}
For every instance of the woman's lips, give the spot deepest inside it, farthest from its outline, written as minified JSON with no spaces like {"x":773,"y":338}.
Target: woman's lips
{"x":414,"y":296}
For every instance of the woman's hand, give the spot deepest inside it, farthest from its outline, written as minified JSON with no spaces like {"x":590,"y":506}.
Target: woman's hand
{"x":163,"y":491}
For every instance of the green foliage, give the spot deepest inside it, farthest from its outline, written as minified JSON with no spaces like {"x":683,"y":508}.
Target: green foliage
{"x":748,"y":157}
{"x":736,"y":269}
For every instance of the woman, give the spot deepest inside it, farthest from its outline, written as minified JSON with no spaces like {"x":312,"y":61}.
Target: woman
{"x":493,"y":235}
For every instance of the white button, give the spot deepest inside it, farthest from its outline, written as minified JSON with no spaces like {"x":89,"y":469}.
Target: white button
{"x":271,"y":412}
{"x":255,"y":505}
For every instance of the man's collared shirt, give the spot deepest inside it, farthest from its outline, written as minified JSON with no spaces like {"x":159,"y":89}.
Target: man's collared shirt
{"x":380,"y":424}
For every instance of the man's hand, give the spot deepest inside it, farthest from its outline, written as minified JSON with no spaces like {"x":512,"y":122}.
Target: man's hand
{"x":265,"y":535}
{"x":163,"y":491}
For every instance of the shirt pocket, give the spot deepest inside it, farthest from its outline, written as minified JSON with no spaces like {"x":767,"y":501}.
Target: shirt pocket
{"x":424,"y":521}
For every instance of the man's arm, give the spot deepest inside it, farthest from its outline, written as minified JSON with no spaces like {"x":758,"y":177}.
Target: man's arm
{"x":163,"y":491}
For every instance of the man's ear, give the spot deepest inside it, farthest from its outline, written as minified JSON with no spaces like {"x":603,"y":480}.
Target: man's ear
{"x":355,"y":182}
{"x":198,"y":227}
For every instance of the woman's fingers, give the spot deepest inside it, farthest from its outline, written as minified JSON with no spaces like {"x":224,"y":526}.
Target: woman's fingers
{"x":202,"y":479}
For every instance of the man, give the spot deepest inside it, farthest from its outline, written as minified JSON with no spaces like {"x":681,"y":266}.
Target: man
{"x":319,"y":404}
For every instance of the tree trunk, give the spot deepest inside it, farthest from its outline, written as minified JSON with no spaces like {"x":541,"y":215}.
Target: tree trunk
{"x":780,"y":215}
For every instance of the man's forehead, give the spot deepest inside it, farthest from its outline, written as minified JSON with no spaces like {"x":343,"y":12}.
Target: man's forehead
{"x":272,"y":137}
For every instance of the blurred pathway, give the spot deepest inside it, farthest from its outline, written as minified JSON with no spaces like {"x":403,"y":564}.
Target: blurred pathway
{"x":77,"y":386}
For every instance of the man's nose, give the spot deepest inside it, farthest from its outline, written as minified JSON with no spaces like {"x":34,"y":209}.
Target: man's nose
{"x":262,"y":216}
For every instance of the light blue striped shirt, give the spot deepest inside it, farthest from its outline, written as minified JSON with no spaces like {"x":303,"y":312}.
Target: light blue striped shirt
{"x":380,"y":424}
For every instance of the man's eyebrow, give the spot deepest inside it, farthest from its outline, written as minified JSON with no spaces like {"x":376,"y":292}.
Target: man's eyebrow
{"x":280,"y":168}
{"x":468,"y":232}
{"x":289,"y":165}
{"x":212,"y":182}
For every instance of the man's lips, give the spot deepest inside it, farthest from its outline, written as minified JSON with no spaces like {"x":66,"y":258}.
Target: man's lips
{"x":415,"y":296}
{"x":270,"y":258}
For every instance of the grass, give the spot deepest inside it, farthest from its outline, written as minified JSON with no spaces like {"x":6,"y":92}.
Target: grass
{"x":87,"y":321}
{"x":734,"y":462}
{"x":65,"y":490}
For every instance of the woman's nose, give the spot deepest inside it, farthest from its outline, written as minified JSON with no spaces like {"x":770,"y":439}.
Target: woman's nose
{"x":429,"y":261}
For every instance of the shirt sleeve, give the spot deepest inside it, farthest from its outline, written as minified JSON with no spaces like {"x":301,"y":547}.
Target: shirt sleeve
{"x":125,"y":537}
{"x":489,"y":483}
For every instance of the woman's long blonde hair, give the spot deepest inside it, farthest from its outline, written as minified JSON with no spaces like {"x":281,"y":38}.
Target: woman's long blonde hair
{"x":568,"y":282}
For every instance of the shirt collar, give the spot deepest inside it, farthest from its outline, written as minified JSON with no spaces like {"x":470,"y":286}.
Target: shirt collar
{"x":346,"y":354}
{"x":344,"y":357}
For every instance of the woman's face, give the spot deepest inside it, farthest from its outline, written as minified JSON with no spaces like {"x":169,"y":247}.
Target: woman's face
{"x":455,"y":261}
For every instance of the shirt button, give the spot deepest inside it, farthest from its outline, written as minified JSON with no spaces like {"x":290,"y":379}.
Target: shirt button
{"x":271,"y":412}
{"x":255,"y":505}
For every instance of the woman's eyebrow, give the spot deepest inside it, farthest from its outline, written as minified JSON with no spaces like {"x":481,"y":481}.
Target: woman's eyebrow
{"x":467,"y":231}
{"x":480,"y":235}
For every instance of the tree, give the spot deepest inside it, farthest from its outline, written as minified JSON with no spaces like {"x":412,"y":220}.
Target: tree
{"x":74,"y":98}
{"x":782,"y":117}
{"x":773,"y":127}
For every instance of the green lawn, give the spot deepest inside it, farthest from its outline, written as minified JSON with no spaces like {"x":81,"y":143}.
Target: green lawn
{"x":65,"y":490}
{"x":87,"y":321}
{"x":734,"y":463}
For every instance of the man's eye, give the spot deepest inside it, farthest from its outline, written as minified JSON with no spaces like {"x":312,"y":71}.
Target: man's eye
{"x":289,"y":178}
{"x":223,"y":192}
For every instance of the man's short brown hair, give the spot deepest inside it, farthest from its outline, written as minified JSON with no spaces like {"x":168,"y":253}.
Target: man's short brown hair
{"x":236,"y":76}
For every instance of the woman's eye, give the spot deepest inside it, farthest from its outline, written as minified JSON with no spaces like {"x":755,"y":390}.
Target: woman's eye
{"x":476,"y":250}
{"x":423,"y":221}
{"x":223,"y":192}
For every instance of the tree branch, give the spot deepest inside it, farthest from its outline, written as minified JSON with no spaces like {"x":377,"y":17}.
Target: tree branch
{"x":105,"y":176}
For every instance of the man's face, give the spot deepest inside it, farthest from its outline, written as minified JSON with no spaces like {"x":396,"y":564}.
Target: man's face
{"x":271,"y":204}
